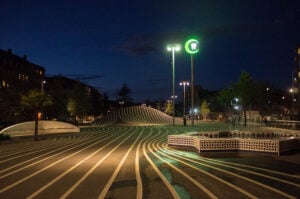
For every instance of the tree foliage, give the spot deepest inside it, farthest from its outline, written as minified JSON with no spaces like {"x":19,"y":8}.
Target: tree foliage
{"x":124,"y":94}
{"x":169,"y":107}
{"x":10,"y":110}
{"x":34,"y":102}
{"x":204,"y":109}
{"x":79,"y":103}
{"x":225,"y":96}
{"x":244,"y":90}
{"x":249,"y":93}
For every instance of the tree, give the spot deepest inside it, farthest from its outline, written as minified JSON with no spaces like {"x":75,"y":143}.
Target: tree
{"x":58,"y":87}
{"x":105,"y":103}
{"x":169,"y":107}
{"x":9,"y":106}
{"x":224,"y":97}
{"x":71,"y":107}
{"x":79,"y":102}
{"x":244,"y":90}
{"x":262,"y":96}
{"x":35,"y":101}
{"x":124,"y":94}
{"x":204,"y":109}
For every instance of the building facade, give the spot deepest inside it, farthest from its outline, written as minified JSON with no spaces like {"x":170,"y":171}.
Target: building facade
{"x":18,"y":73}
{"x":296,"y":84}
{"x":73,"y":100}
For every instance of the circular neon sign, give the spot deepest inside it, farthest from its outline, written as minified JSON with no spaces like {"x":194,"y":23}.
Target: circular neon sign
{"x":192,"y":46}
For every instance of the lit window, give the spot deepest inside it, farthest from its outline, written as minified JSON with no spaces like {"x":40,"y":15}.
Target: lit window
{"x":39,"y":72}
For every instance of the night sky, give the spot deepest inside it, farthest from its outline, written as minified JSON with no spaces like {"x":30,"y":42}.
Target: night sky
{"x":125,"y":41}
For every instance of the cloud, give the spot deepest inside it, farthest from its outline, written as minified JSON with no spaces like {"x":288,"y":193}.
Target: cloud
{"x":278,"y":25}
{"x":146,"y":43}
{"x":139,"y":44}
{"x":143,"y":44}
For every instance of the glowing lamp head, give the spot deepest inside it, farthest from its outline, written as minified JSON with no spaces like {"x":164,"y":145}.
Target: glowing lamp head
{"x":184,"y":83}
{"x":173,"y":47}
{"x":177,"y":47}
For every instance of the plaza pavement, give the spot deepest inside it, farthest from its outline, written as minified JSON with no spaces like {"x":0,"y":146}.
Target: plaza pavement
{"x":136,"y":162}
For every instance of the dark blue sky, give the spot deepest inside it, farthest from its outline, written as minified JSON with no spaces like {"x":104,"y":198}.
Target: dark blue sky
{"x":125,"y":41}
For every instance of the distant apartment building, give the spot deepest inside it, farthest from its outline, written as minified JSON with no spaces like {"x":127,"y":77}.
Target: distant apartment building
{"x":18,"y":73}
{"x":73,"y":96}
{"x":296,"y":81}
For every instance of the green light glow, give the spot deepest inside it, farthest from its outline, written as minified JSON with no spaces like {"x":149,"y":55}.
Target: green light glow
{"x":192,"y":46}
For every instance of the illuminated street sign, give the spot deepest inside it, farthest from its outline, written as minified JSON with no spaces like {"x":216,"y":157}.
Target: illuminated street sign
{"x":192,"y":46}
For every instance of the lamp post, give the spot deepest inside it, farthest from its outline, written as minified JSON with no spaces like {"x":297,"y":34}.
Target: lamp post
{"x":40,"y":114}
{"x":173,"y":97}
{"x":173,"y":48}
{"x":42,"y":86}
{"x":192,"y":47}
{"x":184,"y":84}
{"x":293,"y":90}
{"x":293,"y":102}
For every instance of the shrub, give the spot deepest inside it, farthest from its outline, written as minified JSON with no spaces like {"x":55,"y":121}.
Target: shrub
{"x":4,"y":136}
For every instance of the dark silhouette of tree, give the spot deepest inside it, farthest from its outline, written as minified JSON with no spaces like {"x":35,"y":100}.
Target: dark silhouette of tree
{"x":224,"y":97}
{"x":261,"y":95}
{"x":124,"y":94}
{"x":9,"y":106}
{"x":80,"y":102}
{"x":105,"y":103}
{"x":249,"y":93}
{"x":34,"y":102}
{"x":244,"y":90}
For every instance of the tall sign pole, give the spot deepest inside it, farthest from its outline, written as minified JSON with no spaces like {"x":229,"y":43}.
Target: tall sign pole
{"x":192,"y":47}
{"x":192,"y":90}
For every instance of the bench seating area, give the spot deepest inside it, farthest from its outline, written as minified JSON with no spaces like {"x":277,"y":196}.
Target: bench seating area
{"x":203,"y":143}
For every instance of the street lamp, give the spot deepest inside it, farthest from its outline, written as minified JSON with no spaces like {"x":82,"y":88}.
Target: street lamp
{"x":184,"y":84}
{"x":121,"y":103}
{"x":173,"y":48}
{"x":192,"y":47}
{"x":42,"y":86}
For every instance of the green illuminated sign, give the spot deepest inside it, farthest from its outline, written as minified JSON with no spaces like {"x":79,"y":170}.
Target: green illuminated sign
{"x":192,"y":46}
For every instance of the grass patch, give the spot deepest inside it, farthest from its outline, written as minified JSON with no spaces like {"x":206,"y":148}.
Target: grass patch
{"x":182,"y":192}
{"x":124,"y":183}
